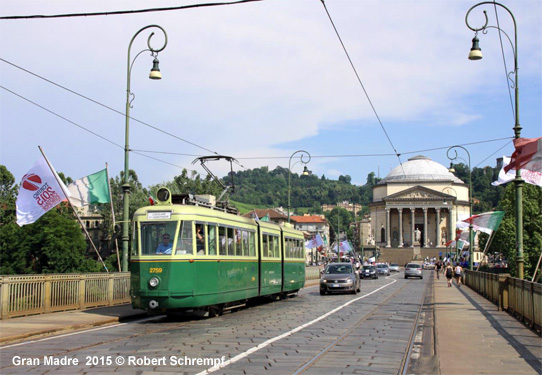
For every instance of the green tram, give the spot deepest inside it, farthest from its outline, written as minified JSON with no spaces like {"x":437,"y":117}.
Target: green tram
{"x":189,"y":254}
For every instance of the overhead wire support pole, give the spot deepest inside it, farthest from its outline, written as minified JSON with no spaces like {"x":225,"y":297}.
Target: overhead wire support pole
{"x":471,"y":236}
{"x":476,"y":54}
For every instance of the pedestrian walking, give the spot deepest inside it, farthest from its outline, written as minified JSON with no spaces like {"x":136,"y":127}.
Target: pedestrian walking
{"x":458,"y":272}
{"x":449,"y":272}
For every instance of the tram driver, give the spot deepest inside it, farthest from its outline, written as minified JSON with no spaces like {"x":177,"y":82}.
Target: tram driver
{"x":165,"y":246}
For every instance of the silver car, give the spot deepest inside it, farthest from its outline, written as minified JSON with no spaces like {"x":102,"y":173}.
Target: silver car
{"x":413,"y":270}
{"x":394,"y":267}
{"x":339,"y":277}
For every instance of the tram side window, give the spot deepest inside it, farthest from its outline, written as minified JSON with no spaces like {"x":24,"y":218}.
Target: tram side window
{"x":289,"y":248}
{"x":201,"y":234}
{"x":245,"y":242}
{"x":265,"y":246}
{"x":135,"y":240}
{"x":276,"y":247}
{"x":231,"y":241}
{"x":222,"y":241}
{"x":212,"y":239}
{"x":300,"y":248}
{"x":252,"y":244}
{"x":238,"y":244}
{"x":184,"y":241}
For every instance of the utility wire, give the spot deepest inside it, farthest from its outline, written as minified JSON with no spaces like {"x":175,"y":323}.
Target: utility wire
{"x":359,"y":80}
{"x":87,"y":130}
{"x":115,"y":13}
{"x":105,"y":106}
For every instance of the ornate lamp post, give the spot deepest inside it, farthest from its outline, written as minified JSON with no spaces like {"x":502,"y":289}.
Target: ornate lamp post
{"x":305,"y":171}
{"x":476,"y":54}
{"x":155,"y":74}
{"x":452,"y":158}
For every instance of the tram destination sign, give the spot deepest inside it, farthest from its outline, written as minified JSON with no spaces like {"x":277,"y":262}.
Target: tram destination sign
{"x":158,"y":215}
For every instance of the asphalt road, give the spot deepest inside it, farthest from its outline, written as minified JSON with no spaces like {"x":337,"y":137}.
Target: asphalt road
{"x":370,"y":332}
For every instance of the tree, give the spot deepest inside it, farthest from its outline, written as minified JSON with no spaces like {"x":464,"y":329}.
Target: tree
{"x":52,"y":244}
{"x":505,"y":237}
{"x":9,"y":230}
{"x":343,"y":216}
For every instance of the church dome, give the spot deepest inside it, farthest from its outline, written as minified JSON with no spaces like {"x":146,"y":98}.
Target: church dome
{"x":418,"y":169}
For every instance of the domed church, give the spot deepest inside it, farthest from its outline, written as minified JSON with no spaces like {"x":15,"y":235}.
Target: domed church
{"x":417,"y":205}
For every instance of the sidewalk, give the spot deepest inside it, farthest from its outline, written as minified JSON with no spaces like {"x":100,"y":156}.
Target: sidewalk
{"x":473,"y":337}
{"x":31,"y":327}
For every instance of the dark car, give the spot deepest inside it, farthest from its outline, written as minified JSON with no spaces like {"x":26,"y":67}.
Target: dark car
{"x":339,"y":277}
{"x":368,"y":272}
{"x":383,"y":269}
{"x":413,"y":270}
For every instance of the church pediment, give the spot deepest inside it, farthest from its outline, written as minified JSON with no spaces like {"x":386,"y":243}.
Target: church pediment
{"x":416,"y":193}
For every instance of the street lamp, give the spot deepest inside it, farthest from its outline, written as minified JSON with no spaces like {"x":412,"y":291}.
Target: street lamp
{"x":471,"y":240}
{"x":477,"y":55}
{"x":154,"y":74}
{"x":305,"y":171}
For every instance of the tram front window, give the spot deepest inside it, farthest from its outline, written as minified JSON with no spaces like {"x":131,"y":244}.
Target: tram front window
{"x":157,"y":238}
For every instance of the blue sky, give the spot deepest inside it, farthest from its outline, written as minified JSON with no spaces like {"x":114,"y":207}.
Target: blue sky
{"x":259,"y":81}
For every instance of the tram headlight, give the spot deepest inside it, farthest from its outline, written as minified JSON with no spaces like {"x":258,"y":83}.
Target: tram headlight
{"x":153,"y":282}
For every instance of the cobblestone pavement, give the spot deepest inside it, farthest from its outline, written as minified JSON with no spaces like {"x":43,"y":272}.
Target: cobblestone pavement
{"x":309,"y":333}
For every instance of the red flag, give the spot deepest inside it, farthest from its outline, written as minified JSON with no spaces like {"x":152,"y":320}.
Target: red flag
{"x":152,"y":201}
{"x":528,"y":155}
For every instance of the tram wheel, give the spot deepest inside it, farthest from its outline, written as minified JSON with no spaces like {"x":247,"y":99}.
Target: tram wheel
{"x":215,"y":311}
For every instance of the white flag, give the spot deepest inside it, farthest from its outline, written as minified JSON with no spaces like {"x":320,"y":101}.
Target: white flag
{"x":39,"y":191}
{"x":530,"y":177}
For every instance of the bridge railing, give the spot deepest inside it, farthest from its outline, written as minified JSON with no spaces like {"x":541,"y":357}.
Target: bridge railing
{"x":22,"y":295}
{"x":520,"y":298}
{"x":35,"y":294}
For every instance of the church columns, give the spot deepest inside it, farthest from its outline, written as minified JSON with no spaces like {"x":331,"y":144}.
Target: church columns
{"x":412,"y":215}
{"x":400,"y":227}
{"x":438,"y":228}
{"x":388,"y":237}
{"x":425,"y":227}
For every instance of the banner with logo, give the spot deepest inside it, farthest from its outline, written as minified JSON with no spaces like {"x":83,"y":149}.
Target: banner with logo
{"x":40,"y":190}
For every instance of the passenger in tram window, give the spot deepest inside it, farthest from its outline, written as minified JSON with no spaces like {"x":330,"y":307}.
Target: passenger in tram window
{"x":165,"y":246}
{"x":200,"y":240}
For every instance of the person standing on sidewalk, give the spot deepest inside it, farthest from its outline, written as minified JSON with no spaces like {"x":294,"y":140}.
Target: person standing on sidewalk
{"x":449,"y":272}
{"x":458,"y":272}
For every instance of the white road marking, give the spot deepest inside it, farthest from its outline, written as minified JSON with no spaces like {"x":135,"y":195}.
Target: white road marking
{"x":289,"y":333}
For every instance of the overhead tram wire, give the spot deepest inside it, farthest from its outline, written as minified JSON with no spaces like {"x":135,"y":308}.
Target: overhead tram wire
{"x":361,"y":84}
{"x":347,"y":155}
{"x":105,"y":106}
{"x":89,"y":131}
{"x":121,"y":12}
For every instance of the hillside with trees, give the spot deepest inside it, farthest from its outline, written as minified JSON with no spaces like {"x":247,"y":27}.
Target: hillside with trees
{"x":55,"y":244}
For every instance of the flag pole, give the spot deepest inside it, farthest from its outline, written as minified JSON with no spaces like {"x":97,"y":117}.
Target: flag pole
{"x":537,"y":267}
{"x":60,"y":183}
{"x":486,"y":247}
{"x":113,"y":216}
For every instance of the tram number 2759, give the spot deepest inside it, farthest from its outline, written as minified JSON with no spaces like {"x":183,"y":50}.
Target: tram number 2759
{"x":155,"y":270}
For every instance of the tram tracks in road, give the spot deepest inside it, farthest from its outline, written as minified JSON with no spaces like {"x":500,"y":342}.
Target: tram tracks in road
{"x":416,"y":323}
